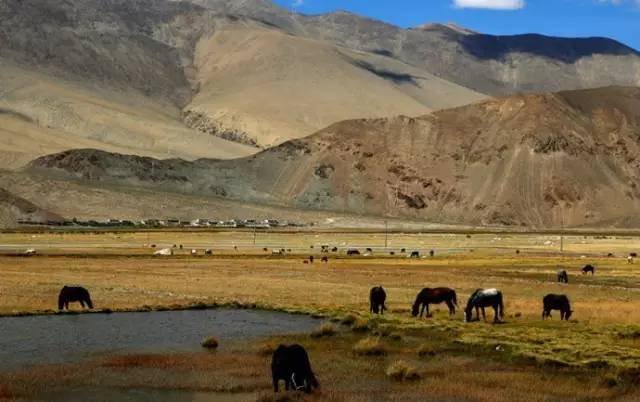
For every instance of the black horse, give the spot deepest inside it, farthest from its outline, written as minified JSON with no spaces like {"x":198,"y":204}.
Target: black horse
{"x":377,"y":297}
{"x":556,"y":302}
{"x":434,"y":296}
{"x":563,"y":276}
{"x":589,"y":268}
{"x":291,"y":364}
{"x":70,"y":294}
{"x":482,"y":298}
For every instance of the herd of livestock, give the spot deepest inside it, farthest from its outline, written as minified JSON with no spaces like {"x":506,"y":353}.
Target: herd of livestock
{"x":291,"y":363}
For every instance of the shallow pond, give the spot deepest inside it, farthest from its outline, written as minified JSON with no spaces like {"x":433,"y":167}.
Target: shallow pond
{"x":54,"y":339}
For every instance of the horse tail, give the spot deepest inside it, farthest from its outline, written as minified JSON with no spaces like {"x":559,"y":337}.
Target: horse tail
{"x":61,"y":300}
{"x":501,"y":305}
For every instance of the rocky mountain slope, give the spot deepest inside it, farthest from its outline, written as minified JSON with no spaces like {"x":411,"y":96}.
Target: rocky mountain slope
{"x":162,"y":78}
{"x":224,"y":78}
{"x":538,"y":160}
{"x":14,"y":208}
{"x":495,"y":65}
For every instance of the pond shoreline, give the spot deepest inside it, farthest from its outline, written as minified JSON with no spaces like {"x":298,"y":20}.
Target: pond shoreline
{"x":173,"y":307}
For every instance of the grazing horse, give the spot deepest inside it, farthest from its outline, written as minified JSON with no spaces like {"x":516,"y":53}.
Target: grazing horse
{"x":415,"y":254}
{"x":311,"y":259}
{"x":291,"y":364}
{"x":377,"y":297}
{"x":325,"y":259}
{"x":70,"y":294}
{"x":589,"y":268}
{"x":563,"y":276}
{"x":482,"y":298}
{"x":353,"y":252}
{"x":556,"y":302}
{"x":434,"y":296}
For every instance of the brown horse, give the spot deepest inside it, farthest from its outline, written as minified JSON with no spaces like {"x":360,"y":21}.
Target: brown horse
{"x":434,"y":296}
{"x":377,"y":297}
{"x":70,"y":294}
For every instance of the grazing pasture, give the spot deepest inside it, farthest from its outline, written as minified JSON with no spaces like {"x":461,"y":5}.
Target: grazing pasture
{"x":524,"y":356}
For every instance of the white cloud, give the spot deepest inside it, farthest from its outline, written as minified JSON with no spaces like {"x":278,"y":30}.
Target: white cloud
{"x":490,"y":4}
{"x":297,"y":3}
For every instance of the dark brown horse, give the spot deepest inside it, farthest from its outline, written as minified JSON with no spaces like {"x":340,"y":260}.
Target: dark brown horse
{"x":563,"y":277}
{"x":377,"y":297}
{"x":291,"y":364}
{"x":434,"y":296}
{"x":556,"y":302}
{"x":70,"y":294}
{"x":589,"y":268}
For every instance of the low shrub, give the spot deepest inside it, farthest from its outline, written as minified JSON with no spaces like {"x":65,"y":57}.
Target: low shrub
{"x":360,"y":326}
{"x":370,"y":347}
{"x":402,"y":371}
{"x":326,"y":329}
{"x":266,"y":349}
{"x":349,"y":319}
{"x":426,"y":351}
{"x":210,"y":343}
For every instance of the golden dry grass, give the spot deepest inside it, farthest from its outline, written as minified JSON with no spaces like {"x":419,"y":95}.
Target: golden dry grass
{"x":479,"y":361}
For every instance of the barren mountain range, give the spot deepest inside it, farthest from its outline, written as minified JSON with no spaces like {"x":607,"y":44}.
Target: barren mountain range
{"x":243,"y":101}
{"x":528,"y":160}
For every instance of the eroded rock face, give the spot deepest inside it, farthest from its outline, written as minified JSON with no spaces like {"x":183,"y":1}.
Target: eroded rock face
{"x":201,"y":122}
{"x":428,"y":167}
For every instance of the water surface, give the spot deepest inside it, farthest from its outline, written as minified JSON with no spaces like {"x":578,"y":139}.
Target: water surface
{"x":55,"y":339}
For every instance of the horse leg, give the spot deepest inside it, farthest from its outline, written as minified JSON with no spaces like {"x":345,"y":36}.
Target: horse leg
{"x":477,"y":313}
{"x":428,"y":313}
{"x":275,"y":384}
{"x":452,"y":309}
{"x":422,"y":309}
{"x":495,"y":314}
{"x":484,"y":316}
{"x":82,"y":303}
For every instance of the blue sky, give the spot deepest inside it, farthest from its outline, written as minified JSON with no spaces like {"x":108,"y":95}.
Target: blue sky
{"x":618,"y":19}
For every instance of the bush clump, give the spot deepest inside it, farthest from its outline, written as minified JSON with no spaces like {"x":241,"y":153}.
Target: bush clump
{"x":370,"y":347}
{"x":326,"y":329}
{"x":360,"y":326}
{"x":402,"y":371}
{"x":349,"y":319}
{"x":210,"y":343}
{"x":426,"y":351}
{"x":266,"y":349}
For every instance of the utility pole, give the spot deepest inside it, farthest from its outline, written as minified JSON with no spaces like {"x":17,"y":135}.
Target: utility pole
{"x":254,"y":234}
{"x":562,"y":232}
{"x":386,"y":234}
